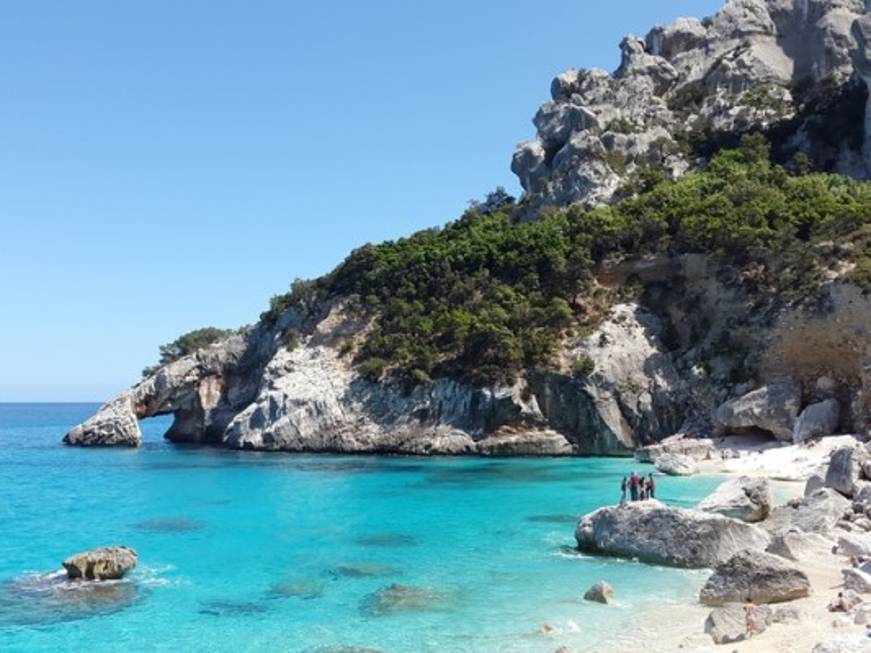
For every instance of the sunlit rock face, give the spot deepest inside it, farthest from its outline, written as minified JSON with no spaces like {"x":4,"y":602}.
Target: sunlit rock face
{"x":788,"y":67}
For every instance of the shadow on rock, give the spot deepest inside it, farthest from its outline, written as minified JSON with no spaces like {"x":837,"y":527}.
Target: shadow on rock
{"x":396,"y":599}
{"x":168,"y":525}
{"x":38,"y":599}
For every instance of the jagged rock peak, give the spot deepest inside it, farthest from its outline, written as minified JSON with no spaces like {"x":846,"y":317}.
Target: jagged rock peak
{"x":757,"y":64}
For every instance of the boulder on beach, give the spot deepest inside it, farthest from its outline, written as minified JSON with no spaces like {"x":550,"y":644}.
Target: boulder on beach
{"x":763,"y":577}
{"x":694,"y":448}
{"x":816,"y":513}
{"x":841,"y":646}
{"x":845,"y":469}
{"x":746,"y":498}
{"x":676,"y":465}
{"x":600,"y":592}
{"x":771,"y":408}
{"x":817,"y":420}
{"x":799,"y":546}
{"x":107,"y":563}
{"x":814,"y":482}
{"x":854,"y":544}
{"x":727,"y":624}
{"x":857,"y":580}
{"x":654,"y":532}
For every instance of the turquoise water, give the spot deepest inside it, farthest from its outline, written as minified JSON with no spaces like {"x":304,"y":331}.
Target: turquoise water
{"x":242,"y":551}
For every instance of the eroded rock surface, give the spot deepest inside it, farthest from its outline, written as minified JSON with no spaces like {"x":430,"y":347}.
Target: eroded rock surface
{"x":753,"y":65}
{"x":109,"y":563}
{"x":654,"y":532}
{"x":763,"y":577}
{"x":746,"y":498}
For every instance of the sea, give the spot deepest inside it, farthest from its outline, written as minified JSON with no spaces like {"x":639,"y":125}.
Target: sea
{"x":249,"y":551}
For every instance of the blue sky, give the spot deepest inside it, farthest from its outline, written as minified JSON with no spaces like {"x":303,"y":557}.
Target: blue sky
{"x":166,"y":165}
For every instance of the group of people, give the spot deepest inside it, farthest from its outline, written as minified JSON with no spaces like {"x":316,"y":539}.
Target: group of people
{"x":639,"y":488}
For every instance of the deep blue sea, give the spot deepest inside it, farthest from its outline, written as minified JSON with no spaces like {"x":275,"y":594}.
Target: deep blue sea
{"x":243,"y":551}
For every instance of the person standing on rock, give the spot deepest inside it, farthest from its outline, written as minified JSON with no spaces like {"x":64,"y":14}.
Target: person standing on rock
{"x":633,"y":486}
{"x":623,"y":486}
{"x":651,"y":487}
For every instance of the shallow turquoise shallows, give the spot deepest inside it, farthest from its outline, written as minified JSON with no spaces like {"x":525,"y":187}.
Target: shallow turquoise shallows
{"x":242,"y":551}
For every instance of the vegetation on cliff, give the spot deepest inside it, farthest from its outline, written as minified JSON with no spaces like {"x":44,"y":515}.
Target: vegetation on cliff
{"x":486,"y":297}
{"x":186,"y":344}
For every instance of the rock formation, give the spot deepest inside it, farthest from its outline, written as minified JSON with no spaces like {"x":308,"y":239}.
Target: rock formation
{"x":109,"y":563}
{"x":654,"y":532}
{"x":727,"y":624}
{"x":600,"y":592}
{"x":763,"y":577}
{"x":755,"y":65}
{"x":685,"y":356}
{"x":745,"y":498}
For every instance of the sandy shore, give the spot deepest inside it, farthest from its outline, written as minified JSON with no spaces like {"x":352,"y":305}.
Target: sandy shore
{"x":673,"y":628}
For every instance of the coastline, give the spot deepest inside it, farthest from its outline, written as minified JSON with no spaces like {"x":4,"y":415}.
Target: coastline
{"x":681,"y":627}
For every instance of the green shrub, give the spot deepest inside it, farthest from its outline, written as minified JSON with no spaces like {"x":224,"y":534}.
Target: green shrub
{"x":583,"y":367}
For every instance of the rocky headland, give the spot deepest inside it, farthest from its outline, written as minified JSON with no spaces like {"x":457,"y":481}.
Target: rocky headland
{"x":638,"y":343}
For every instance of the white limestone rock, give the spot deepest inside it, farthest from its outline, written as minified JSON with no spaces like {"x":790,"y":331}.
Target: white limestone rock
{"x":654,"y":532}
{"x":746,"y":498}
{"x":771,"y":408}
{"x":817,"y":420}
{"x":763,"y":577}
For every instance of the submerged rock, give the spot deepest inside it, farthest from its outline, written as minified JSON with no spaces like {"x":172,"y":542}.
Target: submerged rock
{"x":654,"y":532}
{"x":600,"y":592}
{"x":363,"y":570}
{"x":763,"y":577}
{"x":745,"y":498}
{"x":387,"y":540}
{"x":109,"y":563}
{"x":40,"y":599}
{"x":405,"y":598}
{"x":299,"y":588}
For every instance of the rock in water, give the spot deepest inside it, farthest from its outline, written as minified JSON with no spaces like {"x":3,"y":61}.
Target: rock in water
{"x":745,"y":498}
{"x":109,"y":563}
{"x":728,"y":624}
{"x":114,"y":425}
{"x":772,"y":408}
{"x":404,"y":598}
{"x":816,"y":420}
{"x":763,"y":577}
{"x":654,"y":532}
{"x":845,"y":468}
{"x":600,"y":592}
{"x":676,"y":465}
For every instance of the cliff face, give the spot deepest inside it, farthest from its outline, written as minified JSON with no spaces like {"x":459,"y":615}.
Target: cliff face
{"x":681,"y":334}
{"x":652,"y":375}
{"x":796,"y":69}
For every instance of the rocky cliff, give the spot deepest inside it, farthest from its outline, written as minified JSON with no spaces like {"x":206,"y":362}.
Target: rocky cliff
{"x":677,"y":341}
{"x":796,"y":69}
